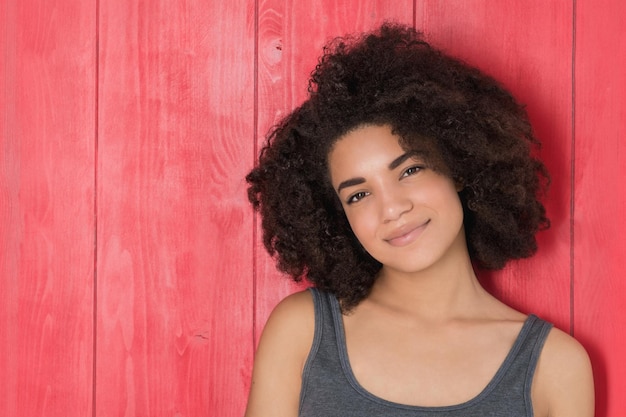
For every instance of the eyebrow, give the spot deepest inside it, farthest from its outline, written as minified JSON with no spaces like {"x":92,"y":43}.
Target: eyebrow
{"x":392,"y":165}
{"x":399,"y":160}
{"x":349,"y":183}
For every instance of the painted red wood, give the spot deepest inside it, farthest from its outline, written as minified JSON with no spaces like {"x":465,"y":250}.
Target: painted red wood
{"x":177,"y":249}
{"x":47,"y":116}
{"x":176,"y":137}
{"x":291,"y":37}
{"x":600,"y":197}
{"x":527,"y":46}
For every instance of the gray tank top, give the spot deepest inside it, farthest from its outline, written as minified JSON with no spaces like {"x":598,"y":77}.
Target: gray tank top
{"x":329,"y":388}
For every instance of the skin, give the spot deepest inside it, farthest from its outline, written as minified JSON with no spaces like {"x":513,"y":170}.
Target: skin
{"x":428,"y":334}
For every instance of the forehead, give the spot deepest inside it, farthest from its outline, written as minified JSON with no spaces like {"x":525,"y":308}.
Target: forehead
{"x":374,"y":146}
{"x":363,"y":151}
{"x":374,"y":142}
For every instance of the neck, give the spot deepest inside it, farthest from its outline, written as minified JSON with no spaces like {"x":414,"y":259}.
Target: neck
{"x":446,"y":290}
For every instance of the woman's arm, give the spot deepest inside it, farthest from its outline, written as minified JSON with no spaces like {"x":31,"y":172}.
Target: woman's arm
{"x":280,"y":357}
{"x":563,"y":384}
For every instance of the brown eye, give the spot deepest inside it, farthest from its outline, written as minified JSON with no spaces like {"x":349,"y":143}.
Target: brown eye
{"x":357,"y":197}
{"x":412,"y":170}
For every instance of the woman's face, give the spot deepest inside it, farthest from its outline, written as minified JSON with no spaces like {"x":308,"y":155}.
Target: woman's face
{"x":406,"y":215}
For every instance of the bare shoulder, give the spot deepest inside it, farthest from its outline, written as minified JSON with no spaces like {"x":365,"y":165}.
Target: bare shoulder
{"x":280,"y":357}
{"x":291,"y":324}
{"x":295,"y":306}
{"x":563,"y":384}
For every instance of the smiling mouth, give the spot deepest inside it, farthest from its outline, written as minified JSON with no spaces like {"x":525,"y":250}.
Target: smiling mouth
{"x":405,"y":237}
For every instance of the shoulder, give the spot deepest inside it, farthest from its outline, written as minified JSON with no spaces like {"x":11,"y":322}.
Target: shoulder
{"x":280,"y":357}
{"x":289,"y":329}
{"x":288,"y":333}
{"x":293,"y":316}
{"x":563,"y":384}
{"x":297,"y":303}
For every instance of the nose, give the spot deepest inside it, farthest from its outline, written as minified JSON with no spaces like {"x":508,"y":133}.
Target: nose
{"x":394,"y":203}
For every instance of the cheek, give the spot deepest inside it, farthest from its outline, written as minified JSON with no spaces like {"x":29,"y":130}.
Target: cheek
{"x":446,"y":195}
{"x":355,"y":223}
{"x":453,"y":206}
{"x":363,"y":226}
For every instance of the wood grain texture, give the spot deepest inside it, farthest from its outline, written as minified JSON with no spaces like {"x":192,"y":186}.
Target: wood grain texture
{"x":290,"y":39}
{"x":175,"y":232}
{"x":526,"y":46}
{"x":47,"y":114}
{"x":183,"y":284}
{"x":600,"y":197}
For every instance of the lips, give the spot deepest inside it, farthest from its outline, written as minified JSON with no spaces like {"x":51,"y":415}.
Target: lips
{"x":405,"y":235}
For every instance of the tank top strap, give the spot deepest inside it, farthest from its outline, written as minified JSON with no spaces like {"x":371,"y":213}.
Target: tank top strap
{"x":515,"y":377}
{"x":322,"y":370}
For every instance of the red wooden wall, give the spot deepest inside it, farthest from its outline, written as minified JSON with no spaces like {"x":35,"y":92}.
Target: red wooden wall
{"x":132,"y":280}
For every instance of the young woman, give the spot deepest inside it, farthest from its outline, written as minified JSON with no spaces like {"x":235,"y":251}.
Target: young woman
{"x":403,"y":172}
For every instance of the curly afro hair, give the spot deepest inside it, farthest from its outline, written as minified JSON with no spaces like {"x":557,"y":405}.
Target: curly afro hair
{"x":391,"y":76}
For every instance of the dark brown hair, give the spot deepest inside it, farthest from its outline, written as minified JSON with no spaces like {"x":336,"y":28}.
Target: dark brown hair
{"x":392,"y":76}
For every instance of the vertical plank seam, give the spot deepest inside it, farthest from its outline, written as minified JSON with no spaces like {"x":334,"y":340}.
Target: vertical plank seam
{"x":573,"y":173}
{"x":255,"y":151}
{"x":95,"y":208}
{"x":10,"y":137}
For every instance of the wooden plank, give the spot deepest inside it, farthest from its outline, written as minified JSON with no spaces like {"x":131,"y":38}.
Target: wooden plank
{"x":47,"y":114}
{"x":291,"y":36}
{"x":175,"y":232}
{"x":527,"y":46}
{"x":600,"y":197}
